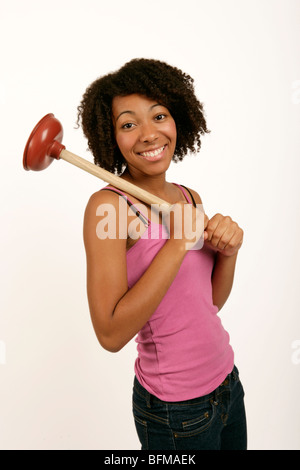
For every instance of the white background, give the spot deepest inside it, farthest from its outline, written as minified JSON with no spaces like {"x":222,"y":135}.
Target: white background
{"x":58,"y":388}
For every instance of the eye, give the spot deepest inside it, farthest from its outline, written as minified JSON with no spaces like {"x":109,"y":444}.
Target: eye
{"x":128,"y":125}
{"x":160,"y":117}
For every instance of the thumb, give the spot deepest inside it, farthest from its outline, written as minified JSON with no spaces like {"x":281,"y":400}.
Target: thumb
{"x":206,"y":220}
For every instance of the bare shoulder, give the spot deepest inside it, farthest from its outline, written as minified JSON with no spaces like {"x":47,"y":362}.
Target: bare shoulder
{"x":98,"y":199}
{"x":195,"y":195}
{"x":102,"y":197}
{"x":102,"y":205}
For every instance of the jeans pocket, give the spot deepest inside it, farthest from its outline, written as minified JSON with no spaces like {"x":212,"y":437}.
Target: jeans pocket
{"x":195,"y":420}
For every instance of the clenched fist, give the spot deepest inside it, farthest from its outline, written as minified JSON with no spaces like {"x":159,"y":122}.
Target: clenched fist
{"x":223,"y":234}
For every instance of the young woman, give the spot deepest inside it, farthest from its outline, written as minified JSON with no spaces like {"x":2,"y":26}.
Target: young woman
{"x":187,"y":393}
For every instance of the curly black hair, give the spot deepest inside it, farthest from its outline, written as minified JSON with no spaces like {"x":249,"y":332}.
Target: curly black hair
{"x":155,"y":80}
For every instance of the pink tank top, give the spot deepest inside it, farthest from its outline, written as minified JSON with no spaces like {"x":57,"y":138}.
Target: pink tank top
{"x":183,"y":349}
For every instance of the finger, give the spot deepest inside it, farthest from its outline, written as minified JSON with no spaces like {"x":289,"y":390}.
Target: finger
{"x":226,"y":237}
{"x":224,"y":230}
{"x":235,"y":241}
{"x":206,"y":220}
{"x":212,"y":225}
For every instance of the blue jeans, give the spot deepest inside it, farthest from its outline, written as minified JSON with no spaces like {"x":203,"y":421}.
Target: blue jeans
{"x":216,"y":421}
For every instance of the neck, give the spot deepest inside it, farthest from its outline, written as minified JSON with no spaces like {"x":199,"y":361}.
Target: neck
{"x":155,"y":184}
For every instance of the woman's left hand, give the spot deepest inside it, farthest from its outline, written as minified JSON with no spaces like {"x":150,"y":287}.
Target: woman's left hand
{"x":223,"y":234}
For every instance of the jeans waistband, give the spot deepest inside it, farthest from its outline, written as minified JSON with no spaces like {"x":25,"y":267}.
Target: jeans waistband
{"x":149,"y":398}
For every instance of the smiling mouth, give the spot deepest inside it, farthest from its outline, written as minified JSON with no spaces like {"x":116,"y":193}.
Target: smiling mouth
{"x":154,"y":155}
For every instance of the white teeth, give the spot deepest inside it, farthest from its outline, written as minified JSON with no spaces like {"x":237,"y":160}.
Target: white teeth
{"x":154,"y":153}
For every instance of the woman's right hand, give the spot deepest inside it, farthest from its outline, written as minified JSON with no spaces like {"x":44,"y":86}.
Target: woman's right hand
{"x":186,"y":225}
{"x":118,"y":312}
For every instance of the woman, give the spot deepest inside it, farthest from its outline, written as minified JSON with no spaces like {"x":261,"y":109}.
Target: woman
{"x":187,"y":393}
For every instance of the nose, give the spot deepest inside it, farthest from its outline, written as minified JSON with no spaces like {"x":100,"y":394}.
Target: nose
{"x":148,"y":133}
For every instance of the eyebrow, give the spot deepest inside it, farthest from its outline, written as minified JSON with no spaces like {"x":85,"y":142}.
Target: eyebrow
{"x":133,"y":113}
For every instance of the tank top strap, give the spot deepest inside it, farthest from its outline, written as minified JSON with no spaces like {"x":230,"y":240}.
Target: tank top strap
{"x":186,"y":192}
{"x":132,"y":206}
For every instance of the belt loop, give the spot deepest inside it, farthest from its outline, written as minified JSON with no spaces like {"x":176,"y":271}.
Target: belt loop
{"x":148,"y":400}
{"x":215,"y":398}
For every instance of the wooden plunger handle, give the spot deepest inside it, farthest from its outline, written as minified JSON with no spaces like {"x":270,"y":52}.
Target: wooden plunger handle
{"x":112,"y":179}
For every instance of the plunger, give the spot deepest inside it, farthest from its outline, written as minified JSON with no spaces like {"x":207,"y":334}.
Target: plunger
{"x":44,"y":145}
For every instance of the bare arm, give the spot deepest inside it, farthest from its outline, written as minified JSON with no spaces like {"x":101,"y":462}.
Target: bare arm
{"x":118,"y":313}
{"x":222,"y":278}
{"x":226,"y":237}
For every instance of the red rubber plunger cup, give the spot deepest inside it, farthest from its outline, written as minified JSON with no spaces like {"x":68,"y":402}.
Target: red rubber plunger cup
{"x":44,"y":144}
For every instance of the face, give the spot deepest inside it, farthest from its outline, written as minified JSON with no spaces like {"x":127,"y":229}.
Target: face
{"x":145,"y":133}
